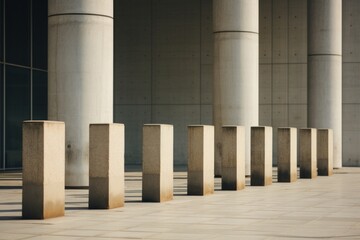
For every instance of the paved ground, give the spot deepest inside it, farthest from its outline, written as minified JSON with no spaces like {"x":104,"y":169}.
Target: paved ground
{"x":322,"y":208}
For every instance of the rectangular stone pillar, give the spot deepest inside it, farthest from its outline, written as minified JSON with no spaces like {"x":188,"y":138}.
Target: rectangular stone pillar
{"x":325,"y":148}
{"x":200,"y":160}
{"x":287,"y":154}
{"x":307,"y":153}
{"x":233,"y":160}
{"x":261,"y":156}
{"x":43,"y":194}
{"x":106,"y":166}
{"x":158,"y":144}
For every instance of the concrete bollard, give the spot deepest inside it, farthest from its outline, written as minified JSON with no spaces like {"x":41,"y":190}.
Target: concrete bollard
{"x":325,"y":148}
{"x":261,"y":156}
{"x":158,"y":145}
{"x":200,"y":160}
{"x":106,"y":166}
{"x":233,"y":161}
{"x":43,"y":194}
{"x":308,"y":153}
{"x":287,"y":154}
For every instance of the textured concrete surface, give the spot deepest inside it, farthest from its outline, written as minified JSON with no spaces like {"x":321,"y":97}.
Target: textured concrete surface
{"x":106,"y":166}
{"x":158,"y":161}
{"x":164,"y":69}
{"x":287,"y":154}
{"x":325,"y":143}
{"x":322,"y":208}
{"x":44,"y":169}
{"x":325,"y":70}
{"x":236,"y":70}
{"x":233,"y":161}
{"x":201,"y":160}
{"x":261,"y":155}
{"x":308,"y":152}
{"x":80,"y":75}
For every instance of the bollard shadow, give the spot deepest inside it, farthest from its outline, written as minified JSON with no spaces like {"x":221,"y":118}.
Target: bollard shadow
{"x":77,"y":208}
{"x":10,"y":187}
{"x":134,"y":201}
{"x":10,"y":179}
{"x":10,"y":203}
{"x":80,"y":195}
{"x":9,"y":210}
{"x":133,"y":180}
{"x":7,"y":218}
{"x":10,"y":218}
{"x":181,"y":194}
{"x":76,"y":205}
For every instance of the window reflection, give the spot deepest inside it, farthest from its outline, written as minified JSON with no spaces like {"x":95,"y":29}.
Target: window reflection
{"x":17,"y":109}
{"x":39,"y":95}
{"x":23,"y":19}
{"x":17,"y":31}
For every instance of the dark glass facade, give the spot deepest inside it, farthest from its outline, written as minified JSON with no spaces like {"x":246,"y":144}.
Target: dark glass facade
{"x":23,"y":73}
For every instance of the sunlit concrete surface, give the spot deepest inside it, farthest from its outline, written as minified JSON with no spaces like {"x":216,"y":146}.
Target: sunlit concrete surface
{"x":321,"y":208}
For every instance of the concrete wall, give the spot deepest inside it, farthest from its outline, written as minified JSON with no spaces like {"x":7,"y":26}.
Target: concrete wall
{"x":351,"y":82}
{"x":283,"y":64}
{"x":163,"y":69}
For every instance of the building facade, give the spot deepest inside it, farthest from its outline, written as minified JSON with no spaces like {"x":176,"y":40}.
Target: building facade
{"x":165,"y":55}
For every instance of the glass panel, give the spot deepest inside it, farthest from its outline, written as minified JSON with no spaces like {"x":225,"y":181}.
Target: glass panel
{"x":17,"y":33}
{"x":40,"y":27}
{"x":17,"y":110}
{"x":1,"y":29}
{"x":1,"y":117}
{"x":39,"y":95}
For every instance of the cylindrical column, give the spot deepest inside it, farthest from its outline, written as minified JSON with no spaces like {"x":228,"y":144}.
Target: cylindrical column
{"x":236,"y":70}
{"x":80,"y":72}
{"x":324,"y":69}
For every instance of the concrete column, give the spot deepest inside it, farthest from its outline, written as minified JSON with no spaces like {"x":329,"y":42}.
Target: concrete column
{"x":325,"y":69}
{"x":200,"y":160}
{"x":106,"y":166}
{"x":236,"y":70}
{"x":261,"y":156}
{"x":325,"y":150}
{"x":233,"y":162}
{"x":158,"y":154}
{"x":287,"y":154}
{"x":308,"y":152}
{"x":80,"y":72}
{"x":43,"y":194}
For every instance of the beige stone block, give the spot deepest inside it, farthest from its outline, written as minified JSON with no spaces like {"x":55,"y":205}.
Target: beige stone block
{"x":307,"y":152}
{"x":325,"y":149}
{"x":287,"y":154}
{"x":106,"y":166}
{"x":43,"y":193}
{"x":158,"y":158}
{"x":200,"y":160}
{"x":233,"y":161}
{"x":261,"y":156}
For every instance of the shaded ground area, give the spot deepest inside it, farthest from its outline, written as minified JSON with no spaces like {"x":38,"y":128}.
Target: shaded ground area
{"x":322,"y":208}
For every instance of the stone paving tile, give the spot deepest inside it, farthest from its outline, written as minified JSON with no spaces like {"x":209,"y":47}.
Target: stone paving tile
{"x":325,"y":207}
{"x":47,"y":237}
{"x":14,"y":235}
